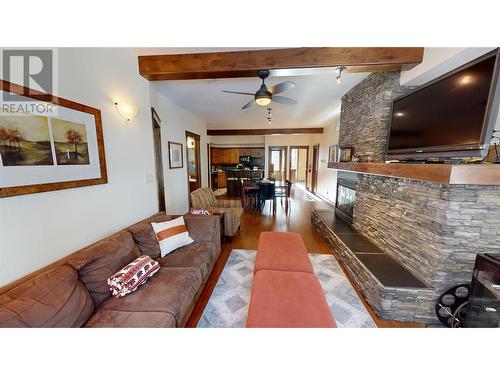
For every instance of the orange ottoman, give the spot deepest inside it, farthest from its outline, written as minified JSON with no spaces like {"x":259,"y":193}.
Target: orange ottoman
{"x":288,"y":300}
{"x":282,"y":251}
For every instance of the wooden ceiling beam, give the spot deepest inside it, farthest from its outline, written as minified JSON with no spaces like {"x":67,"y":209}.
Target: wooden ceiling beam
{"x":238,"y":64}
{"x":275,"y":131}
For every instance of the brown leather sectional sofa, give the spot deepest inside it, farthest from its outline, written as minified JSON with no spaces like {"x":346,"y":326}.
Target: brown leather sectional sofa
{"x":76,"y":294}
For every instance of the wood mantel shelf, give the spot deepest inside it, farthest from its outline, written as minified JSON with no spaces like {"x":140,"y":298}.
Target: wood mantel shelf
{"x":452,"y":174}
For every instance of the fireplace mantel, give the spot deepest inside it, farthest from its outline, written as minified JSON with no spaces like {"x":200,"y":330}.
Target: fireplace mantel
{"x":451,"y":174}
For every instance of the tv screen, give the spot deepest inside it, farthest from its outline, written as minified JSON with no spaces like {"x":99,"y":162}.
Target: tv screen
{"x":449,"y":115}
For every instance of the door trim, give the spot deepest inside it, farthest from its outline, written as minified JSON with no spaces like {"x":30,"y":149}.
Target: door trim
{"x":197,"y":139}
{"x":284,"y":150}
{"x":315,"y":169}
{"x":160,"y":180}
{"x":290,"y":161}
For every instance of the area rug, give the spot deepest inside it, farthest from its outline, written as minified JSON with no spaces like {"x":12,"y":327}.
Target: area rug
{"x":228,"y":305}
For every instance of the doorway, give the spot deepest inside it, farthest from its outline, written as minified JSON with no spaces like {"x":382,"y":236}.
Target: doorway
{"x":315,"y":167}
{"x":193,"y":162}
{"x":158,"y":159}
{"x":299,"y":158}
{"x":277,"y":163}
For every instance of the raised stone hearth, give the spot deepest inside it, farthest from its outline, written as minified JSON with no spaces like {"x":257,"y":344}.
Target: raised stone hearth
{"x":390,"y":298}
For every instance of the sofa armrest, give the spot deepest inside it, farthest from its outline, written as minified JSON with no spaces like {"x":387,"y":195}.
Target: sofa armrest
{"x":228,"y":203}
{"x":204,"y":228}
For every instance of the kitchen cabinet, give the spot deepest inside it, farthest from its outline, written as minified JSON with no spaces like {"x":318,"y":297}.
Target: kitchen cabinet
{"x":216,"y":156}
{"x":220,"y":156}
{"x":221,"y":180}
{"x":231,"y":156}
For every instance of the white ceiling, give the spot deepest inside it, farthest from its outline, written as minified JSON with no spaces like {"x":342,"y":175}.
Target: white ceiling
{"x":317,"y":94}
{"x":318,"y":97}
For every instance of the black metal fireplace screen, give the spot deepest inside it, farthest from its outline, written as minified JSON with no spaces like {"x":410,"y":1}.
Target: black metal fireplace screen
{"x":346,"y":195}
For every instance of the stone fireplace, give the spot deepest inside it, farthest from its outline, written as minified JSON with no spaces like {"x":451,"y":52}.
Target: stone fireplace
{"x":346,"y":195}
{"x":431,"y":230}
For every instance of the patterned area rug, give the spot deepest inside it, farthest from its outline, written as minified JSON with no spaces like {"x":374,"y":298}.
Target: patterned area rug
{"x":228,"y":305}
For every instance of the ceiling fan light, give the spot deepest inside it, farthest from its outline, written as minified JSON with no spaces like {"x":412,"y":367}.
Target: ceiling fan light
{"x":263,"y":101}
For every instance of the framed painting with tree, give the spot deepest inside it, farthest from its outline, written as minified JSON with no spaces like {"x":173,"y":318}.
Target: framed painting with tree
{"x":49,"y":151}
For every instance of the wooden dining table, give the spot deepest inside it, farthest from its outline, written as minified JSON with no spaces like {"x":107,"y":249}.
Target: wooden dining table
{"x":253,"y":186}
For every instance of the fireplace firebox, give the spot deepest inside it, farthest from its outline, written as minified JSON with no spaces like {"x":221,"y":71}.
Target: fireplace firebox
{"x":346,"y":195}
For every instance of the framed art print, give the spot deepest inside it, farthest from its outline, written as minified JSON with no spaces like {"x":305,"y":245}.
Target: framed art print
{"x":333,"y":154}
{"x":40,"y":152}
{"x":346,"y":153}
{"x":175,"y":159}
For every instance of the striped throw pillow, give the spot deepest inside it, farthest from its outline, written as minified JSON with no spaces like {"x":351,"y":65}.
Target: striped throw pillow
{"x":171,"y":235}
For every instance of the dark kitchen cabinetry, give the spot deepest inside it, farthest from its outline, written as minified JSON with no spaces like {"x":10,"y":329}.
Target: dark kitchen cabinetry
{"x":231,"y":155}
{"x":484,"y":301}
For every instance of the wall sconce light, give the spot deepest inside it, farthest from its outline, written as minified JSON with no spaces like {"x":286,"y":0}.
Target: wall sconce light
{"x":340,"y":69}
{"x":127,"y":112}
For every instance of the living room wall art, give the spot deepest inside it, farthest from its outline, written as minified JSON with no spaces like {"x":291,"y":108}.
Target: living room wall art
{"x":175,"y":159}
{"x":41,"y":153}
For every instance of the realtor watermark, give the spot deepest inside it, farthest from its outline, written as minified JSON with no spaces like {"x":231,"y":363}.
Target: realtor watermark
{"x":32,"y":77}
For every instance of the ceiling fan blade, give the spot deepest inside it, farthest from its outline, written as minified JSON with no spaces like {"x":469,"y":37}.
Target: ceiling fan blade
{"x":237,"y":92}
{"x":281,"y":87}
{"x":284,"y":100}
{"x":248,"y":105}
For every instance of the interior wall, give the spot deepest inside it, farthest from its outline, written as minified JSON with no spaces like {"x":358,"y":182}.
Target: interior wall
{"x":438,"y":61}
{"x":175,"y":121}
{"x":38,"y":229}
{"x":236,"y":141}
{"x":287,"y":140}
{"x":301,"y":165}
{"x":327,"y":178}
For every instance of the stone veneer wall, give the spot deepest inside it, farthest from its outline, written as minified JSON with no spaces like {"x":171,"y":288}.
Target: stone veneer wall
{"x":433,"y":230}
{"x":365,"y":114}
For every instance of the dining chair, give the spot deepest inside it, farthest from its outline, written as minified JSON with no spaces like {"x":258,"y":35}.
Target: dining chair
{"x":284,"y":192}
{"x":267,"y":191}
{"x":250,"y":194}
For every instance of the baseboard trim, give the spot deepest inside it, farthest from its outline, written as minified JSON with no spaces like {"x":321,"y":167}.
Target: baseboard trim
{"x":325,"y":199}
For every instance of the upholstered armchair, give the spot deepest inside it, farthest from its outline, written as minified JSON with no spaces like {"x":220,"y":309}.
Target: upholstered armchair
{"x":204,"y":198}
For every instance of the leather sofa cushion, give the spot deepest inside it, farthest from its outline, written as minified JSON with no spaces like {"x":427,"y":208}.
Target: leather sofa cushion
{"x":101,"y":260}
{"x":54,"y":298}
{"x":171,"y":290}
{"x":285,"y":299}
{"x":282,"y":251}
{"x":130,"y":319}
{"x":201,"y":255}
{"x":144,"y":236}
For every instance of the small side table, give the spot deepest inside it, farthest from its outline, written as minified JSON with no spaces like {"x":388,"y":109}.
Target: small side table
{"x":221,"y":218}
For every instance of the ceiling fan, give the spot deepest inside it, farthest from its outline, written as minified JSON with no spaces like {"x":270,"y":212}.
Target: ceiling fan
{"x":265,"y":96}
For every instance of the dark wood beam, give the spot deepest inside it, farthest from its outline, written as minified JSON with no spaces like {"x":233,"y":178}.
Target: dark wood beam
{"x":248,"y":63}
{"x":264,"y":131}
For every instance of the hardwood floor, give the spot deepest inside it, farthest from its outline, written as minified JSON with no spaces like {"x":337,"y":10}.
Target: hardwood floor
{"x":298,"y":220}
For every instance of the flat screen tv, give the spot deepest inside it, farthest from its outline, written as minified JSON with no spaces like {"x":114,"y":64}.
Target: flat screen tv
{"x":452,"y":116}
